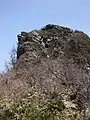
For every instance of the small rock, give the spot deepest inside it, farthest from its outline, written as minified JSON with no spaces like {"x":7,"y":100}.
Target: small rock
{"x":69,"y":104}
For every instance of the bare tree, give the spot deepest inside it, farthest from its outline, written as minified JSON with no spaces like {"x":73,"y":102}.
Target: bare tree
{"x":12,"y":61}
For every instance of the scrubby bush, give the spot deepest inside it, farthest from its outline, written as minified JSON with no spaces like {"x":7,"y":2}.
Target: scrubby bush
{"x":28,"y":108}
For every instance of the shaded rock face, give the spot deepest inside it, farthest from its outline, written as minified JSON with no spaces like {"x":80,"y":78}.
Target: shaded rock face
{"x":56,"y":57}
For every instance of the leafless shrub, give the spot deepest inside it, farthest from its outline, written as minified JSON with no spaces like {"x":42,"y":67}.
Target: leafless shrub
{"x":12,"y":61}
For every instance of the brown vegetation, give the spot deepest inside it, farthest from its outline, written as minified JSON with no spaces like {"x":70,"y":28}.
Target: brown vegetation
{"x":54,"y":61}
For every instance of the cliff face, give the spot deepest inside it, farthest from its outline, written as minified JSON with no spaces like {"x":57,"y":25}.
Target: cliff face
{"x":56,"y":58}
{"x":52,"y":42}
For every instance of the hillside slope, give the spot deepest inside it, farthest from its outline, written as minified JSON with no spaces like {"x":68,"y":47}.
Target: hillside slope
{"x":54,"y":61}
{"x":56,"y":57}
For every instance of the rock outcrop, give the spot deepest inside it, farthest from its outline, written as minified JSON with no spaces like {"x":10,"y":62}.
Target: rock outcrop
{"x":50,"y":78}
{"x":55,"y":61}
{"x":56,"y":57}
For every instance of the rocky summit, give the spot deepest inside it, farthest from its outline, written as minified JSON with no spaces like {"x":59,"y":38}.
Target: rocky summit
{"x":56,"y":58}
{"x":55,"y":62}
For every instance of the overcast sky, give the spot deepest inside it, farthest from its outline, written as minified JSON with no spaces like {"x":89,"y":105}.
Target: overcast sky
{"x":26,"y":15}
